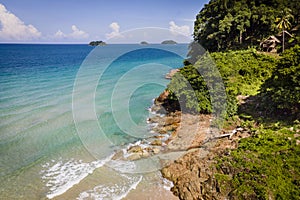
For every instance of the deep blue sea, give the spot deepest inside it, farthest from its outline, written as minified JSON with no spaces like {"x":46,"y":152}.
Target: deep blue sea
{"x":65,"y":110}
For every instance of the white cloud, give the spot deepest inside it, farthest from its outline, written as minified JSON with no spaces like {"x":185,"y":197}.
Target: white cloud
{"x":115,"y":31}
{"x":76,"y":34}
{"x":12,"y":28}
{"x":176,"y":30}
{"x":60,"y":34}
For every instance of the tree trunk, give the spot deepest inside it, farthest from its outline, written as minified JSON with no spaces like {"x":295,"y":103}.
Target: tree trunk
{"x":241,"y":37}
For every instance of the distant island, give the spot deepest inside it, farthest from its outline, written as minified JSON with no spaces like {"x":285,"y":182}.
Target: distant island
{"x":169,"y":42}
{"x":97,"y":43}
{"x":144,"y":43}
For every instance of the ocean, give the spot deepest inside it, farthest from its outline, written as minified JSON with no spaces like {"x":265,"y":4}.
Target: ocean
{"x":65,"y":110}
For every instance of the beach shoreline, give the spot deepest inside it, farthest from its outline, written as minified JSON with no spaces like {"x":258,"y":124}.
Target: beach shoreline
{"x":192,"y":173}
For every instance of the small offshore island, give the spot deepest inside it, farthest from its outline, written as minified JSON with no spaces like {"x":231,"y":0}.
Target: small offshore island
{"x":168,"y":42}
{"x":144,"y":43}
{"x":97,"y":43}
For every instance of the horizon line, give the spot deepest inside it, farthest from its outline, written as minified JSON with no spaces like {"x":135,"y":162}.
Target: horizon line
{"x":86,"y":43}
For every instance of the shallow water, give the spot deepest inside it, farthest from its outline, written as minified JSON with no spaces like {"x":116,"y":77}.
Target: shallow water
{"x":65,"y":110}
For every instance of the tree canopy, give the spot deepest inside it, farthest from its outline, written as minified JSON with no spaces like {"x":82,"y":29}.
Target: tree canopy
{"x":236,"y":24}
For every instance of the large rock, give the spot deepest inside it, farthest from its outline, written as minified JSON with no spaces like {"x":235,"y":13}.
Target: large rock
{"x":162,"y":97}
{"x":155,"y":150}
{"x":135,"y":156}
{"x":171,"y":120}
{"x":135,"y":149}
{"x":156,"y":143}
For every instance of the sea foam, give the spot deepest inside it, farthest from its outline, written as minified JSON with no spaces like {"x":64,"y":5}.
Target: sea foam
{"x":114,"y":191}
{"x":60,"y":176}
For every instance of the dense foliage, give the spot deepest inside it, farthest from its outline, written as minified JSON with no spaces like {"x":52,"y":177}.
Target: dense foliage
{"x":265,"y":166}
{"x":235,"y":24}
{"x":241,"y":72}
{"x":282,"y":90}
{"x":97,"y":43}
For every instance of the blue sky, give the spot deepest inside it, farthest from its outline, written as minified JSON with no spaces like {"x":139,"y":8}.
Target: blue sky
{"x":80,"y":21}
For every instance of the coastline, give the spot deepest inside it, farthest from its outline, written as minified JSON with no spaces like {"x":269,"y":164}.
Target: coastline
{"x":192,"y":173}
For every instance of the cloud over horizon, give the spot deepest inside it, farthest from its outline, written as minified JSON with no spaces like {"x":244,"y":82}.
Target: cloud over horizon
{"x":75,"y":34}
{"x":176,"y":30}
{"x":115,"y":31}
{"x":12,"y":28}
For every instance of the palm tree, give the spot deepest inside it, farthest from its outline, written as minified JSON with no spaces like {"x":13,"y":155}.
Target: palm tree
{"x":284,"y":23}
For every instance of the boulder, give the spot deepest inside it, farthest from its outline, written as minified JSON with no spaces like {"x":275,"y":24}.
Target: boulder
{"x":171,"y":120}
{"x":156,"y":143}
{"x":135,"y":149}
{"x":118,"y":155}
{"x":145,"y":154}
{"x":163,"y":96}
{"x":155,"y":150}
{"x":134,"y":156}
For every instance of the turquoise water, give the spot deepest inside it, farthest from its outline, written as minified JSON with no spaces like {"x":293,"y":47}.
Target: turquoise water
{"x":64,"y":109}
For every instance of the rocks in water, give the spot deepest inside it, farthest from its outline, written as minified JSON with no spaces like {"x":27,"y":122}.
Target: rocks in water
{"x":119,"y":155}
{"x":156,"y":143}
{"x":155,"y":150}
{"x":134,"y":156}
{"x":145,"y":154}
{"x":154,"y":119}
{"x":171,"y":120}
{"x":193,"y":175}
{"x":137,"y":152}
{"x":135,"y":149}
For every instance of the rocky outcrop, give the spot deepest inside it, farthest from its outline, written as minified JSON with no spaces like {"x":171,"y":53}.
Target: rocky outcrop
{"x":193,"y":175}
{"x":163,"y":104}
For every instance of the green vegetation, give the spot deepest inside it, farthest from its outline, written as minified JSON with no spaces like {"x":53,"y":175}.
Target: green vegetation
{"x":284,"y":23}
{"x":144,"y":43}
{"x":281,"y":92}
{"x":229,"y":24}
{"x":243,"y":72}
{"x":265,"y":166}
{"x":97,"y":43}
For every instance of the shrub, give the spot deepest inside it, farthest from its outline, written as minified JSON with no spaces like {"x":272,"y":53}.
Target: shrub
{"x":198,"y":85}
{"x":282,"y":90}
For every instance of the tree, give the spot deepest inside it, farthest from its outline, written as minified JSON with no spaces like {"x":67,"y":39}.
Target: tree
{"x":284,"y":23}
{"x":282,"y":90}
{"x":229,"y":24}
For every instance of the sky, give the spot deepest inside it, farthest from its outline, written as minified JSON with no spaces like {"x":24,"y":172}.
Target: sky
{"x":81,"y":21}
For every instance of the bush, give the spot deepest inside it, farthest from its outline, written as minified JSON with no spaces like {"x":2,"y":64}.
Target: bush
{"x":282,"y":90}
{"x":265,"y":166}
{"x":198,"y":85}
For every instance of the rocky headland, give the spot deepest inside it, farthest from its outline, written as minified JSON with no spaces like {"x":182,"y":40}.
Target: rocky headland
{"x":198,"y":144}
{"x":193,"y":173}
